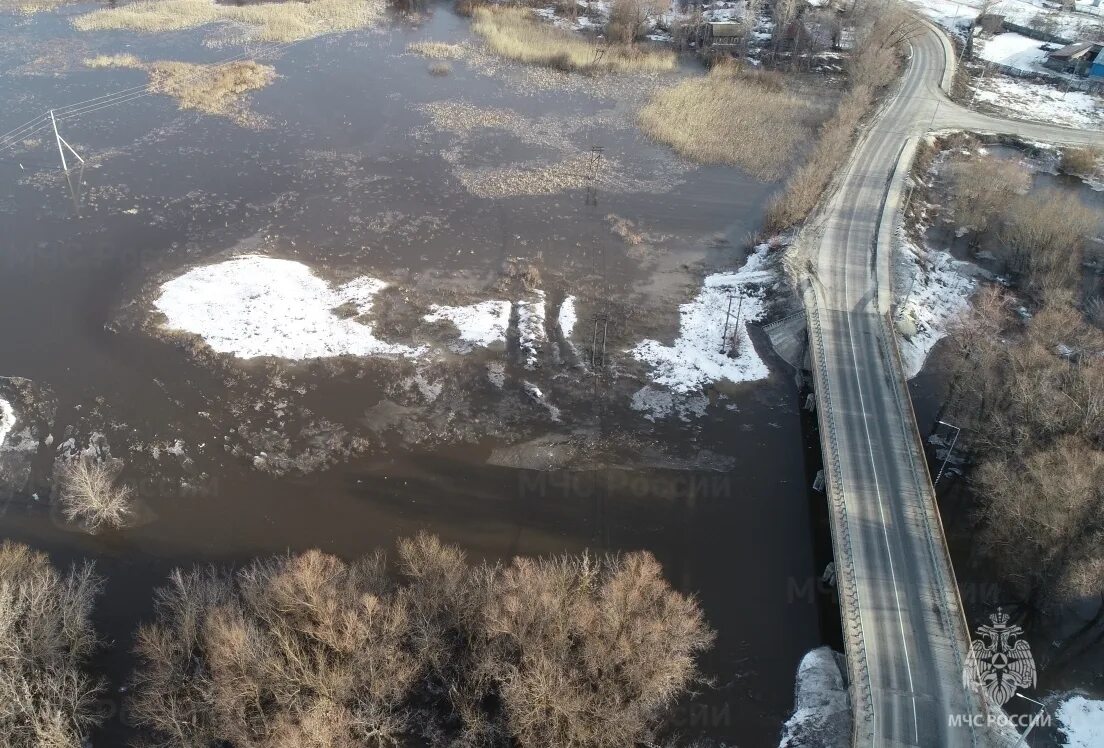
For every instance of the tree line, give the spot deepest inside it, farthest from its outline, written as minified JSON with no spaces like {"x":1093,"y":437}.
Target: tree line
{"x":307,"y":650}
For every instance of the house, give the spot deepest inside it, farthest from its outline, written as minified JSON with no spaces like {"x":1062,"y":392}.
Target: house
{"x":1097,"y":69}
{"x":1076,"y":58}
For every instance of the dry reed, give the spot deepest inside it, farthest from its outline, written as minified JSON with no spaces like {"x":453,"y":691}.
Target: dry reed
{"x":269,"y":22}
{"x":730,"y":118}
{"x":515,"y":34}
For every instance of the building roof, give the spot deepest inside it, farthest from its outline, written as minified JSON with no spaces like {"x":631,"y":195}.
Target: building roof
{"x":1070,"y":51}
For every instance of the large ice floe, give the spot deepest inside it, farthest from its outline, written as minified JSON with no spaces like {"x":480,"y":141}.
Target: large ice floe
{"x":7,"y":419}
{"x":482,"y":324}
{"x":822,"y":709}
{"x":1081,"y":722}
{"x":254,"y":306}
{"x":696,"y":359}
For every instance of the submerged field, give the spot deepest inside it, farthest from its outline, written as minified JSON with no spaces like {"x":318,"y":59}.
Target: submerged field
{"x":485,"y":304}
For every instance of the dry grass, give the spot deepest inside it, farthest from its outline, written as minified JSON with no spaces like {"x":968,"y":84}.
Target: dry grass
{"x":440,"y":69}
{"x":730,"y":118}
{"x":211,"y":89}
{"x":270,"y":22}
{"x":89,"y":494}
{"x":31,"y":6}
{"x":515,"y":34}
{"x":310,"y":651}
{"x":46,"y":698}
{"x":438,"y":50}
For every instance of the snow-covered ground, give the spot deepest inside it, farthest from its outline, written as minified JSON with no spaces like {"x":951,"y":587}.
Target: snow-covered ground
{"x":949,"y":13}
{"x":1014,"y":50}
{"x":260,"y":306}
{"x":695,"y":359}
{"x":1040,"y":101}
{"x":822,"y":709}
{"x":1081,"y":722}
{"x":482,"y":324}
{"x":932,"y":290}
{"x":7,"y":419}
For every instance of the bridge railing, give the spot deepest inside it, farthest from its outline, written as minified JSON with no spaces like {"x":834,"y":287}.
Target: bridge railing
{"x":951,"y":610}
{"x":854,"y":637}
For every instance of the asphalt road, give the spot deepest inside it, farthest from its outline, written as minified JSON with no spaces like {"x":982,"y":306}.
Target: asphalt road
{"x":906,"y":636}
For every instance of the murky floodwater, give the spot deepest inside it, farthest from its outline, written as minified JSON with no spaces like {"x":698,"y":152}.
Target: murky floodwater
{"x":350,"y":178}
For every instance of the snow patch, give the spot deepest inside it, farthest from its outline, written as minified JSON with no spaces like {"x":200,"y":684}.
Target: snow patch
{"x":482,"y":324}
{"x":1039,"y":101}
{"x":531,"y":329}
{"x":695,"y":358}
{"x":822,"y":709}
{"x":1082,"y":722}
{"x":937,"y":291}
{"x":1015,"y":50}
{"x":254,"y":306}
{"x":567,"y":317}
{"x":7,"y":419}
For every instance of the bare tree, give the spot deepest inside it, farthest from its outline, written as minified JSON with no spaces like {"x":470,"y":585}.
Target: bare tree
{"x":1045,"y":235}
{"x":310,"y":651}
{"x":630,"y":20}
{"x":983,"y":188}
{"x":89,"y":493}
{"x":47,"y":699}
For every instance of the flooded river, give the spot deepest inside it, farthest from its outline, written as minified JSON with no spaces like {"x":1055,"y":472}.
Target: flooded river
{"x":360,"y":168}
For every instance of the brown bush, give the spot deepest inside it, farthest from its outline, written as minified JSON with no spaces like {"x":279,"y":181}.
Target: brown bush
{"x":310,"y":651}
{"x":46,"y":698}
{"x":1082,"y":161}
{"x":1045,"y":234}
{"x":628,"y":19}
{"x":983,"y":188}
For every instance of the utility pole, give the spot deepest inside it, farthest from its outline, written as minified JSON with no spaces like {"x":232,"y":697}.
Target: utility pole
{"x":62,"y":142}
{"x":947,"y":456}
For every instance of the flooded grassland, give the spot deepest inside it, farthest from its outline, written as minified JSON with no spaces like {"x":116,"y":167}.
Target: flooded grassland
{"x":367,"y":298}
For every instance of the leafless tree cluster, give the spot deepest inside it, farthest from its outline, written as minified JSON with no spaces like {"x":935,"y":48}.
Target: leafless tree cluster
{"x":308,"y":650}
{"x":874,"y":63}
{"x":89,"y":493}
{"x":47,"y":700}
{"x":1032,"y":395}
{"x":982,"y":188}
{"x":629,"y":19}
{"x":1046,"y":236}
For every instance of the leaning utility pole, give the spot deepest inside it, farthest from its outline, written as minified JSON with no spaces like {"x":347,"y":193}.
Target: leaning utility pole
{"x":62,"y":142}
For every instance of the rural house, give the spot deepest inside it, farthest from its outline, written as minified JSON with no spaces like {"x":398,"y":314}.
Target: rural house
{"x":1077,"y":58}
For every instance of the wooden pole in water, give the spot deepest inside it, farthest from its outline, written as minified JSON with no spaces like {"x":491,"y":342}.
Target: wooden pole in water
{"x":61,"y":151}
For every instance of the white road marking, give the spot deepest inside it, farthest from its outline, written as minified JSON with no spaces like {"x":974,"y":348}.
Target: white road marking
{"x":885,"y":532}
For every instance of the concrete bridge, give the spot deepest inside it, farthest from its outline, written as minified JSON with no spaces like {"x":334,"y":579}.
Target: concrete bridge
{"x":905,"y":635}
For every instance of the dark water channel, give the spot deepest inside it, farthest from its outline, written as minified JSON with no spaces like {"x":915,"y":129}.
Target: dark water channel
{"x":346,"y":144}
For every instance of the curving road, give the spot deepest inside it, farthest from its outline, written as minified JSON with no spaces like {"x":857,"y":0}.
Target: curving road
{"x":905,"y":635}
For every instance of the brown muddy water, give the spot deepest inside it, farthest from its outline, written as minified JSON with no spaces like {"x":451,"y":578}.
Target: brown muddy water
{"x":350,"y":176}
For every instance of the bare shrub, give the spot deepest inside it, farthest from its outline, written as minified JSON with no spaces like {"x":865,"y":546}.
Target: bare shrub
{"x":47,"y":700}
{"x":804,"y":188}
{"x":730,"y":117}
{"x":983,"y":188}
{"x":1043,"y":520}
{"x":514,"y":33}
{"x":1045,"y":234}
{"x":308,"y":650}
{"x":629,"y":19}
{"x":1082,"y":161}
{"x":89,"y":493}
{"x":440,"y":69}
